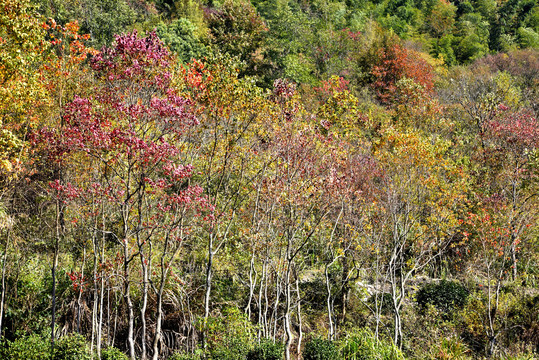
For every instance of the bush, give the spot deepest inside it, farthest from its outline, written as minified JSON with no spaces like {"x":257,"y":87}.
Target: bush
{"x":320,"y":349}
{"x":230,"y":336}
{"x":266,"y":350}
{"x":180,"y":36}
{"x":187,"y":356}
{"x":72,"y":347}
{"x":112,"y":353}
{"x":38,"y":347}
{"x":34,"y":347}
{"x":450,"y":349}
{"x":363,"y":345}
{"x":445,"y":296}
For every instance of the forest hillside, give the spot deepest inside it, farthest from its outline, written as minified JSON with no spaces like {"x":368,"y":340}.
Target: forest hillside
{"x":269,"y":179}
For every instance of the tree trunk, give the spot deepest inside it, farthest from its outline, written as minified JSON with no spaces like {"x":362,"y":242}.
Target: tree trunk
{"x":53,"y":273}
{"x":158,"y":321}
{"x":331,"y":334}
{"x":144,"y":304}
{"x":300,"y":336}
{"x":261,"y":319}
{"x":59,"y":232}
{"x":96,"y":295}
{"x":209,"y":268}
{"x":287,"y":325}
{"x":3,"y":295}
{"x":129,"y":303}
{"x":252,"y":284}
{"x":79,"y":297}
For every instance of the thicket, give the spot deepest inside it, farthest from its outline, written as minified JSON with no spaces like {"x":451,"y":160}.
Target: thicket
{"x":269,"y":179}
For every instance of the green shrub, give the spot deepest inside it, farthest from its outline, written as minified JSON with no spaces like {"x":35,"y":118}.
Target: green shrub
{"x":34,"y":347}
{"x":186,"y":356}
{"x":112,"y":353}
{"x":230,"y":336}
{"x":362,"y":345}
{"x":266,"y":350}
{"x":320,"y":349}
{"x":180,"y":35}
{"x":450,"y":349}
{"x":72,"y":347}
{"x":445,"y":296}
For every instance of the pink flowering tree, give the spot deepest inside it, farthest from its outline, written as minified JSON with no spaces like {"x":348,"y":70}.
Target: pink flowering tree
{"x":129,"y":134}
{"x":512,"y":157}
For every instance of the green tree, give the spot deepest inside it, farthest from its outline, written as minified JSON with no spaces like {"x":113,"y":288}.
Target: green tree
{"x":181,"y":36}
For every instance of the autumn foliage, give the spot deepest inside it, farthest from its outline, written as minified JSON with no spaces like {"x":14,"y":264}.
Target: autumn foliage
{"x":296,"y":188}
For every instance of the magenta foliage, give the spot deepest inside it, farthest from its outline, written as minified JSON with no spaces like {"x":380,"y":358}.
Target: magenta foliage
{"x":136,"y":95}
{"x":132,"y":57}
{"x":518,"y":130}
{"x":130,"y":127}
{"x":65,"y":192}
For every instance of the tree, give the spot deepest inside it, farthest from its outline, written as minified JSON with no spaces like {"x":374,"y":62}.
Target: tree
{"x":180,"y":35}
{"x":233,"y":115}
{"x":511,"y":154}
{"x":101,"y":19}
{"x":130,"y":130}
{"x":395,"y":63}
{"x":237,"y":29}
{"x":423,"y":194}
{"x":21,"y":51}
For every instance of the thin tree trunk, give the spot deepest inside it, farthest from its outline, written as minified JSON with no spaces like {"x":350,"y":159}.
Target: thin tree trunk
{"x":53,"y":273}
{"x":3,"y":295}
{"x":159,"y":318}
{"x":331,"y":334}
{"x":59,"y":232}
{"x":266,"y":307}
{"x":209,"y":268}
{"x":100,"y":321}
{"x":287,"y":325}
{"x":101,"y":290}
{"x":96,"y":295}
{"x":144,"y":268}
{"x":144,"y":304}
{"x":165,"y":267}
{"x":345,"y":288}
{"x":300,"y":336}
{"x":261,"y":323}
{"x":129,"y":302}
{"x":79,"y":298}
{"x":275,"y":312}
{"x":109,"y":343}
{"x":115,"y":321}
{"x":252,"y":284}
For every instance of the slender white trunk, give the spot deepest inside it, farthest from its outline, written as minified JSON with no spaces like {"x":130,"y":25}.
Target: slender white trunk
{"x":261,"y":320}
{"x":130,"y":307}
{"x":266,"y":308}
{"x":331,"y":334}
{"x":96,"y":295}
{"x":275,"y":312}
{"x":79,"y":298}
{"x":3,"y":295}
{"x":287,"y":325}
{"x":159,"y":320}
{"x":300,"y":336}
{"x":144,"y":304}
{"x":207,"y":295}
{"x":252,"y":284}
{"x":100,"y":321}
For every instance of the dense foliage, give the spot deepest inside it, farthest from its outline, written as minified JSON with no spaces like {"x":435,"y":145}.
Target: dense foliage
{"x":269,"y":179}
